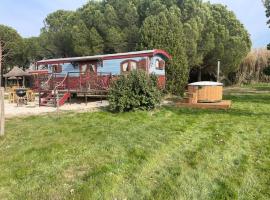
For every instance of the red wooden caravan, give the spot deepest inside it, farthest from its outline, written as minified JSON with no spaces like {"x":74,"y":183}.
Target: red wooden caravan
{"x":90,"y":76}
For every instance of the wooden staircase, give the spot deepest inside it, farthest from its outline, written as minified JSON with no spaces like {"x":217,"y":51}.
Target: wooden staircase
{"x":56,"y":96}
{"x":48,"y":98}
{"x":190,"y":97}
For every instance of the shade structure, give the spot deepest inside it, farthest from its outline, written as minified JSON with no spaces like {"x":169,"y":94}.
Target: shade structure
{"x":16,"y":72}
{"x":14,"y":78}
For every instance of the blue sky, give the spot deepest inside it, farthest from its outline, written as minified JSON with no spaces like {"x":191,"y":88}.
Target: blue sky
{"x":27,"y":16}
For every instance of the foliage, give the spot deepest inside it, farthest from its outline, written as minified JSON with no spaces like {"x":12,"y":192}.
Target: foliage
{"x":267,"y":6}
{"x":12,"y":45}
{"x":213,"y":33}
{"x":232,"y":42}
{"x":135,"y":91}
{"x":252,"y":68}
{"x":208,"y":33}
{"x":170,"y":38}
{"x":57,"y":33}
{"x":195,"y":32}
{"x":266,"y":71}
{"x":199,"y":35}
{"x":169,"y":153}
{"x":32,"y":51}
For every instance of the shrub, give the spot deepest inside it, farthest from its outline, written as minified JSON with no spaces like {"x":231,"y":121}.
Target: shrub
{"x":135,"y":91}
{"x":266,"y":71}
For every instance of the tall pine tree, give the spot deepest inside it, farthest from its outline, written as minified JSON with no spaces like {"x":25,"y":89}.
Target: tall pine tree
{"x":195,"y":32}
{"x":267,"y":6}
{"x":165,"y":31}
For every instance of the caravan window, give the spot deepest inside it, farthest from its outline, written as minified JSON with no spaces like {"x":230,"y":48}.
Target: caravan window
{"x":92,"y":68}
{"x":88,"y":68}
{"x":128,"y":65}
{"x":83,"y":68}
{"x":160,"y":65}
{"x":57,"y":68}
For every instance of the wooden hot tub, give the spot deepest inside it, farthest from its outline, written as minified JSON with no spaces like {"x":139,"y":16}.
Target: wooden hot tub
{"x":206,"y":92}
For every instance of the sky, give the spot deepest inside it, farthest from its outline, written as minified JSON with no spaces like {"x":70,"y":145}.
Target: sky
{"x":27,"y":16}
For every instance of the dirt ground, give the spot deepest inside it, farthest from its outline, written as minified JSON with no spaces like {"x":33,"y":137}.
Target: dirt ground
{"x":12,"y":110}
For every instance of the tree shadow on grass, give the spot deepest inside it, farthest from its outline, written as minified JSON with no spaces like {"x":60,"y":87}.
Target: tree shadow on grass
{"x":262,"y":88}
{"x":249,"y":98}
{"x":201,"y":112}
{"x":256,"y":100}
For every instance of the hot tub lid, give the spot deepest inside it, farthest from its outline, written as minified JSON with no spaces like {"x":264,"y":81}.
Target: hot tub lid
{"x":206,"y":83}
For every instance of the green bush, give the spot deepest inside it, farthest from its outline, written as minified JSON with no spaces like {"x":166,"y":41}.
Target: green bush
{"x":266,"y":71}
{"x":135,"y":91}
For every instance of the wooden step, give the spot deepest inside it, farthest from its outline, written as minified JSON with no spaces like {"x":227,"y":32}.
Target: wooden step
{"x":50,"y":99}
{"x":225,"y":104}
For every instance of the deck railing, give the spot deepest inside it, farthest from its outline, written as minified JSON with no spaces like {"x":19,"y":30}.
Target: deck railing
{"x":88,"y":81}
{"x":74,"y":81}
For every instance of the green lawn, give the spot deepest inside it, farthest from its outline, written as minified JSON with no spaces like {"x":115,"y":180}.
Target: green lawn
{"x":169,"y":153}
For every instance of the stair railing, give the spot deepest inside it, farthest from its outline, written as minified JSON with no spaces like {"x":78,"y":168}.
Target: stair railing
{"x":55,"y":90}
{"x":47,"y":82}
{"x":61,"y":83}
{"x":45,"y":85}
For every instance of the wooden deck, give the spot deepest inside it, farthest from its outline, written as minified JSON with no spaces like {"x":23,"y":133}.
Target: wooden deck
{"x":223,"y":105}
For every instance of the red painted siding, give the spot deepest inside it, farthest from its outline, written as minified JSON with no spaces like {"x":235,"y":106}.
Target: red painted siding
{"x":161,"y":81}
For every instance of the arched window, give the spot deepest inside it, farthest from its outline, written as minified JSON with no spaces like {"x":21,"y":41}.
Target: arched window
{"x":84,"y":68}
{"x":57,"y":68}
{"x":160,"y":64}
{"x":142,"y":64}
{"x":128,"y":65}
{"x":92,"y":68}
{"x":88,"y":68}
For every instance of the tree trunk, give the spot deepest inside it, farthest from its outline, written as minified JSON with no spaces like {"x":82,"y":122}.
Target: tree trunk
{"x":1,"y":71}
{"x":199,"y":74}
{"x":2,"y":112}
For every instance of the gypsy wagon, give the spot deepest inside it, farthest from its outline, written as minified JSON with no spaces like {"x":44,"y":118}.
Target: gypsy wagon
{"x":57,"y":80}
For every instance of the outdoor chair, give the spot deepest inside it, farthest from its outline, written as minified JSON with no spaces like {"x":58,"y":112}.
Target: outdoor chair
{"x":12,"y":97}
{"x":30,"y":95}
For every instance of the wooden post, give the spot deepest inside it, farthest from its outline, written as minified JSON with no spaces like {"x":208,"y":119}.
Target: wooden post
{"x":1,"y":56}
{"x":57,"y":102}
{"x":85,"y":98}
{"x":218,"y":71}
{"x":68,"y":87}
{"x":23,"y":81}
{"x":2,"y":112}
{"x":39,"y":97}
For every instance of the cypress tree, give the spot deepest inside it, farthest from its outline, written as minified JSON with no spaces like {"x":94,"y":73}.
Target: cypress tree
{"x":165,"y":31}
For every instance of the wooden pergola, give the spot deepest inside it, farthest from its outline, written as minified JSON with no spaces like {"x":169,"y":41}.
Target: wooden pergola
{"x":16,"y":73}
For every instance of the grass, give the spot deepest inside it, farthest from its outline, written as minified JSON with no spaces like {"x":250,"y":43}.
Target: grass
{"x":169,"y":153}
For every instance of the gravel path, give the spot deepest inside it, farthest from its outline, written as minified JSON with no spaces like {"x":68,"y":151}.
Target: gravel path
{"x":12,"y":110}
